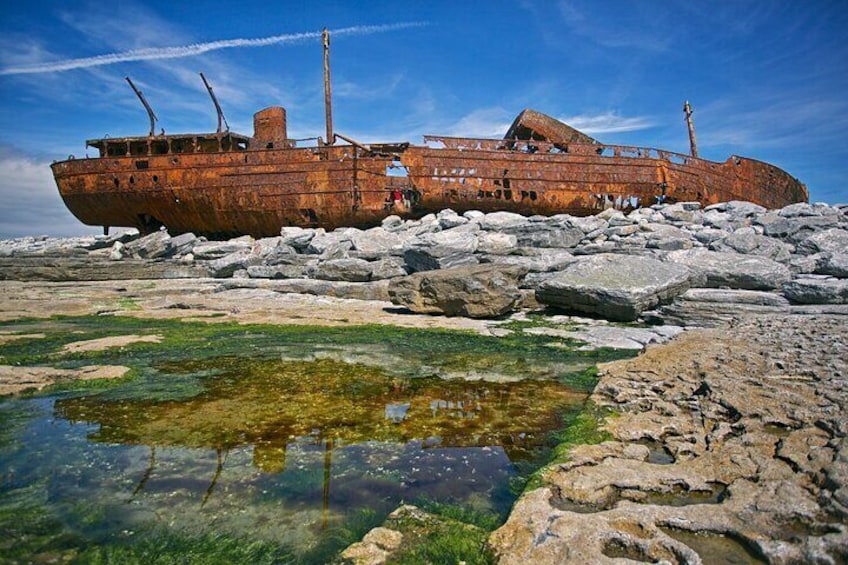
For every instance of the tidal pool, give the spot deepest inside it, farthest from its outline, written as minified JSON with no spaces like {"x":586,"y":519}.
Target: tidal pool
{"x":284,"y":443}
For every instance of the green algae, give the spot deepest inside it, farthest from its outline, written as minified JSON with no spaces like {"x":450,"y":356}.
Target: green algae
{"x":220,"y":429}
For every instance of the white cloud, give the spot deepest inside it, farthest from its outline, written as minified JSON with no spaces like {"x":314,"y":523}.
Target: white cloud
{"x":158,"y":53}
{"x":485,"y":122}
{"x":608,"y":122}
{"x":31,"y":201}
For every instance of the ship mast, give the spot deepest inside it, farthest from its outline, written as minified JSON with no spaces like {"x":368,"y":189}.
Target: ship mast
{"x":328,"y":106}
{"x":218,"y":109}
{"x":693,"y":146}
{"x":147,"y":107}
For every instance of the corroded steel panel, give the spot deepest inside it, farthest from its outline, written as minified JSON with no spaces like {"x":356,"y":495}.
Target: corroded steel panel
{"x":225,"y":184}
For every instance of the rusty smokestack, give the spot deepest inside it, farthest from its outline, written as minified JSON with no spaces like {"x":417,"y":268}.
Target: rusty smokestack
{"x":693,"y":145}
{"x":328,"y":104}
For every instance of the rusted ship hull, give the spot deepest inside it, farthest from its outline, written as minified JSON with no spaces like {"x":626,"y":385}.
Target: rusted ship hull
{"x":258,"y":191}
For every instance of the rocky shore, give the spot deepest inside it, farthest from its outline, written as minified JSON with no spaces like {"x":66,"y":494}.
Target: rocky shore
{"x":730,"y":439}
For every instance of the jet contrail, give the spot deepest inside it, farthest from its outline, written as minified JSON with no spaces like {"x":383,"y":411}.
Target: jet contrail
{"x":153,"y":53}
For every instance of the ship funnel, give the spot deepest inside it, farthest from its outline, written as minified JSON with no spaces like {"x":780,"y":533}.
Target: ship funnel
{"x":269,"y":127}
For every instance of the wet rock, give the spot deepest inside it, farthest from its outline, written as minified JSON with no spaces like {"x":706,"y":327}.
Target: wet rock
{"x":617,"y":287}
{"x":615,"y":337}
{"x":731,"y":270}
{"x":816,"y":289}
{"x":754,"y":407}
{"x":479,"y":291}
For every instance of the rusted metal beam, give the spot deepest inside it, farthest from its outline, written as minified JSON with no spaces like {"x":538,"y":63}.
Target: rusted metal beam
{"x":218,"y":109}
{"x":147,"y":107}
{"x":328,"y":104}
{"x":693,"y":146}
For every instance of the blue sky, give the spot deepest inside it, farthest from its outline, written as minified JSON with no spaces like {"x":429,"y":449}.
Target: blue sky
{"x":767,"y":79}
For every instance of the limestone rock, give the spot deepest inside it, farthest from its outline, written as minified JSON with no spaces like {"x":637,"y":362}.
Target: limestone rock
{"x":480,"y":291}
{"x":151,"y":246}
{"x":617,"y":287}
{"x":232,"y":262}
{"x":732,"y":270}
{"x":351,"y":270}
{"x":708,"y":307}
{"x":813,"y":289}
{"x":834,"y":240}
{"x":218,"y":249}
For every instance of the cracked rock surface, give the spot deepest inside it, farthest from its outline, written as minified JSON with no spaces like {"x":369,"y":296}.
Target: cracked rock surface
{"x":727,"y":444}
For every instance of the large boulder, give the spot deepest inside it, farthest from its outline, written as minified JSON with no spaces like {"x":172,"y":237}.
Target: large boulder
{"x":617,"y":287}
{"x":479,"y":291}
{"x":732,"y":270}
{"x":817,"y":289}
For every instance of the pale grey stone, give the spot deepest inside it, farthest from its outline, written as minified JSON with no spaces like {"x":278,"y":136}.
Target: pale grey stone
{"x":351,"y":270}
{"x":617,"y":287}
{"x":278,"y":271}
{"x":834,"y":240}
{"x":496,"y":243}
{"x":498,"y":221}
{"x":388,"y":268}
{"x":707,"y":307}
{"x":218,"y":249}
{"x":479,"y":291}
{"x":732,"y":270}
{"x":812,"y":289}
{"x":747,"y":241}
{"x":834,"y":264}
{"x":181,"y":244}
{"x":228,"y":264}
{"x":297,"y":237}
{"x":151,"y":246}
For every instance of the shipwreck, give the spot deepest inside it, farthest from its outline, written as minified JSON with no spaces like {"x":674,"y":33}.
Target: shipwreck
{"x":223,"y":183}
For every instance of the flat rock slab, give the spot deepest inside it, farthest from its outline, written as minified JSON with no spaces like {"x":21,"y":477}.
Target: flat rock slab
{"x":616,"y":287}
{"x":479,"y":291}
{"x":750,"y":424}
{"x":107,"y":342}
{"x":732,"y":270}
{"x":14,"y":380}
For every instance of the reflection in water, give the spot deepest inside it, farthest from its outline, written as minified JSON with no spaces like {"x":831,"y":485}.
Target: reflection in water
{"x":282,"y":450}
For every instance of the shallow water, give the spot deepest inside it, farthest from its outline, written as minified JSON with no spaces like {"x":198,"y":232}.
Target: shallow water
{"x":288,"y":450}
